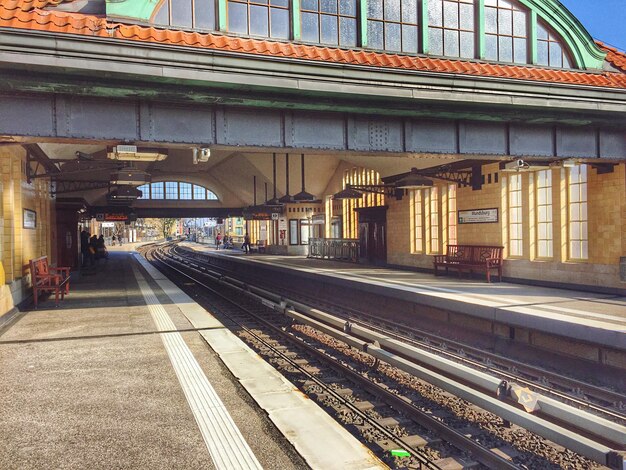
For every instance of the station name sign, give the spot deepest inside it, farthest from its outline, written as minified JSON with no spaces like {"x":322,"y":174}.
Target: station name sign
{"x":263,"y":212}
{"x":479,"y":216}
{"x":111,"y":217}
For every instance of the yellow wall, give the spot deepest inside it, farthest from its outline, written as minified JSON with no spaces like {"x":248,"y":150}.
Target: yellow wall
{"x":607,"y":228}
{"x":19,"y":245}
{"x":487,"y":198}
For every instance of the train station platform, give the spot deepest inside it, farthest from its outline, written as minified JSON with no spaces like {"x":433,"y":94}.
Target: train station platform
{"x":129,"y":372}
{"x":583,"y":323}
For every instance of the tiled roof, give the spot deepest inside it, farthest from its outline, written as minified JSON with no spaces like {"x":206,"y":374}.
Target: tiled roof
{"x":27,"y":5}
{"x":615,"y":57}
{"x":88,"y":25}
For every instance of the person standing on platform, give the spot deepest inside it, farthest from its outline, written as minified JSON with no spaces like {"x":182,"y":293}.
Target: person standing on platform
{"x":101,"y":250}
{"x":246,"y":243}
{"x":93,"y":248}
{"x":218,"y":240}
{"x":84,"y":248}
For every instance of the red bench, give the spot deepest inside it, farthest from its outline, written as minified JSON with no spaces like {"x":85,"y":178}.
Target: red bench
{"x":471,"y":258}
{"x":48,"y":279}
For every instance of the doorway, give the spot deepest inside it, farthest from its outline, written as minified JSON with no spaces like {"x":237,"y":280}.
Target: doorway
{"x":373,"y":234}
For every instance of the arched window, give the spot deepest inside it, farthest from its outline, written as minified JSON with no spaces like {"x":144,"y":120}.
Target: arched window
{"x":452,"y":26}
{"x":176,"y":190}
{"x":550,"y":48}
{"x":266,"y":18}
{"x":199,"y":14}
{"x":392,"y":25}
{"x":506,"y":31}
{"x":332,"y":22}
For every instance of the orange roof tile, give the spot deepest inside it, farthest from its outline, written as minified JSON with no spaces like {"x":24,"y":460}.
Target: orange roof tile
{"x":27,"y":5}
{"x":616,"y":57}
{"x":74,"y":23}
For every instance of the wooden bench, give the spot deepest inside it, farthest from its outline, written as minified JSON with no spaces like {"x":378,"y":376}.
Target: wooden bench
{"x":259,"y":246}
{"x":49,"y":279}
{"x":471,"y":258}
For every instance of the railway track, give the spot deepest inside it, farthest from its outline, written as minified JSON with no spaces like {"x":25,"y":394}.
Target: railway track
{"x":605,"y":403}
{"x":439,"y":416}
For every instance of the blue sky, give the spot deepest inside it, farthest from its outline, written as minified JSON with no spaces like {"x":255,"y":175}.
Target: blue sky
{"x":604,"y":19}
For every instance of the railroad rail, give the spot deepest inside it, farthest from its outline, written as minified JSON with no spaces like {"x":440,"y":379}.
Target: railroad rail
{"x":471,"y":384}
{"x":599,"y":400}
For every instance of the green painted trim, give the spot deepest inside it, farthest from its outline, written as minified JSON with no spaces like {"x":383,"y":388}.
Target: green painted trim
{"x":363,"y":21}
{"x":584,"y":51}
{"x":533,"y":37}
{"x":481,"y":29}
{"x":222,"y":23}
{"x":295,"y":20}
{"x":138,"y":9}
{"x":424,"y":27}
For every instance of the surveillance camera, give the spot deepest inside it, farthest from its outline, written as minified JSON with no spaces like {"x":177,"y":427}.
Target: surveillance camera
{"x":520,"y":163}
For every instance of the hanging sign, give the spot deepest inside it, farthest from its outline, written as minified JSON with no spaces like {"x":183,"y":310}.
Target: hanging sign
{"x":478,"y":216}
{"x":263,"y":212}
{"x":115,"y":217}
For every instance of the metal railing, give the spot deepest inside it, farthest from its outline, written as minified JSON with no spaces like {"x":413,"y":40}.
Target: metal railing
{"x":343,"y":249}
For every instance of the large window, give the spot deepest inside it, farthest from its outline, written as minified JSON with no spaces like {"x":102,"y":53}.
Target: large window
{"x":452,"y":28}
{"x":184,"y":191}
{"x":550,"y":49}
{"x":171,"y":190}
{"x":516,"y":240}
{"x":267,"y":18}
{"x":452,"y":233}
{"x":434,"y":219}
{"x":506,"y":31}
{"x":329,"y":21}
{"x":176,"y":190}
{"x":392,"y":25}
{"x":578,"y":234}
{"x":418,"y":218}
{"x":199,"y":14}
{"x":544,"y":214}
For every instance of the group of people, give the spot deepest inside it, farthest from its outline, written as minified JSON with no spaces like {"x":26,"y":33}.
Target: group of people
{"x":228,"y":242}
{"x":92,"y":248}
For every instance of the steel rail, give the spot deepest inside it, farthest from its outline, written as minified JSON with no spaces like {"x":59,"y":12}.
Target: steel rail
{"x":581,"y":444}
{"x":593,"y":392}
{"x":460,"y":441}
{"x":423,"y":460}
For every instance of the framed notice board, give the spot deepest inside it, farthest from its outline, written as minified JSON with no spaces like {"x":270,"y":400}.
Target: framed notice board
{"x":30,"y":219}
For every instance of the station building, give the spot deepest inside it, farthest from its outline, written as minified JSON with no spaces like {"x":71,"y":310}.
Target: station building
{"x":306,"y":118}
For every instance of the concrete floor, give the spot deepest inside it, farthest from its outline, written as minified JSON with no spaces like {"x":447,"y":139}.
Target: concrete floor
{"x":90,"y":385}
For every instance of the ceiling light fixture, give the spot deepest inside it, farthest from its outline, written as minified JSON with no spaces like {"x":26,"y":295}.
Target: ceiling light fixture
{"x":133,"y":153}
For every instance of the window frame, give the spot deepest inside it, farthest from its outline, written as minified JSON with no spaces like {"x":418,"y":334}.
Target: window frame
{"x":250,"y":6}
{"x":581,"y":204}
{"x":338,"y":16}
{"x":518,"y":210}
{"x":459,"y":30}
{"x":547,"y":205}
{"x":417,"y":205}
{"x":370,"y":20}
{"x":453,"y":236}
{"x":515,"y":7}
